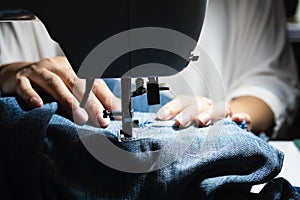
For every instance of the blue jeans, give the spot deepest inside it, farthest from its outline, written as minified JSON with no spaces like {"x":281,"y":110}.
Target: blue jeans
{"x":44,"y":156}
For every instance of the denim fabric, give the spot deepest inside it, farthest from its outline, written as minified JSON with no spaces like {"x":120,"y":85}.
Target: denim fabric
{"x":42,"y":157}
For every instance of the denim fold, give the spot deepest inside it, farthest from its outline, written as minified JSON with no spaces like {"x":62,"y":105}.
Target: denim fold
{"x":45,"y":155}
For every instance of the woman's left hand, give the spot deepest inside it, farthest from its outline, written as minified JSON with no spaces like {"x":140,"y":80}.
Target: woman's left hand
{"x":199,"y":111}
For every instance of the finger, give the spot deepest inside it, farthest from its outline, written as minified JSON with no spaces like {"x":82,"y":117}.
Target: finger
{"x":79,"y":114}
{"x":106,"y":97}
{"x":60,"y":66}
{"x":204,"y":119}
{"x":27,"y":93}
{"x":199,"y":111}
{"x":95,"y":110}
{"x":93,"y":105}
{"x":173,"y":108}
{"x":54,"y":85}
{"x":99,"y":99}
{"x":186,"y":117}
{"x":220,"y":110}
{"x":241,"y":117}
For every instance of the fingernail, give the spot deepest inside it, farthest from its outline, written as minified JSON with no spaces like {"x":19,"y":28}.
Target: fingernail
{"x":80,"y":116}
{"x":186,"y":120}
{"x":163,"y":114}
{"x":104,"y":122}
{"x":237,"y":117}
{"x":205,"y":119}
{"x":36,"y":102}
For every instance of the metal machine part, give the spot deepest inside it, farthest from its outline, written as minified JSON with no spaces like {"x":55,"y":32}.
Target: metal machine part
{"x":128,"y":131}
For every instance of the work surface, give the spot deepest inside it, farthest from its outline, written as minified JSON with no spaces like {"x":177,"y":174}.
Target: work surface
{"x":291,"y":163}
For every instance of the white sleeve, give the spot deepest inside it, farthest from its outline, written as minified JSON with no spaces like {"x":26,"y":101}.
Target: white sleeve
{"x":26,"y":41}
{"x":264,"y":64}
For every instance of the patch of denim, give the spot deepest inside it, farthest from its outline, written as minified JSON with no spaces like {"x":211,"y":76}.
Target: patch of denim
{"x":43,"y":156}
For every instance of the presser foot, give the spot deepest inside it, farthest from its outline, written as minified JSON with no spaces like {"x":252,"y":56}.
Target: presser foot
{"x":123,"y":136}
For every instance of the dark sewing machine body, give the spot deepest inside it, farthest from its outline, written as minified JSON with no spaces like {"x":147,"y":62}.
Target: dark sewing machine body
{"x":79,"y":27}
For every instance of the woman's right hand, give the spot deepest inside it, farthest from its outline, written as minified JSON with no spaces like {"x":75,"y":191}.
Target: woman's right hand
{"x":56,"y":77}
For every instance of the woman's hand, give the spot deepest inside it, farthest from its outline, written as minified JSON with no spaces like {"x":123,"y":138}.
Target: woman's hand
{"x":56,"y":77}
{"x":188,"y":110}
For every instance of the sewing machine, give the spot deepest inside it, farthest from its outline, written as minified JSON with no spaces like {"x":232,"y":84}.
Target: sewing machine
{"x":163,"y":33}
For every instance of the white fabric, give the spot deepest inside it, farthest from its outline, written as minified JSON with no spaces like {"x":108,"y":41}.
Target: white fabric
{"x":243,"y":50}
{"x":255,"y":58}
{"x":26,"y":41}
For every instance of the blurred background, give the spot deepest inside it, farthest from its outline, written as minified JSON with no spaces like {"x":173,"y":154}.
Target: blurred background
{"x":292,"y":9}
